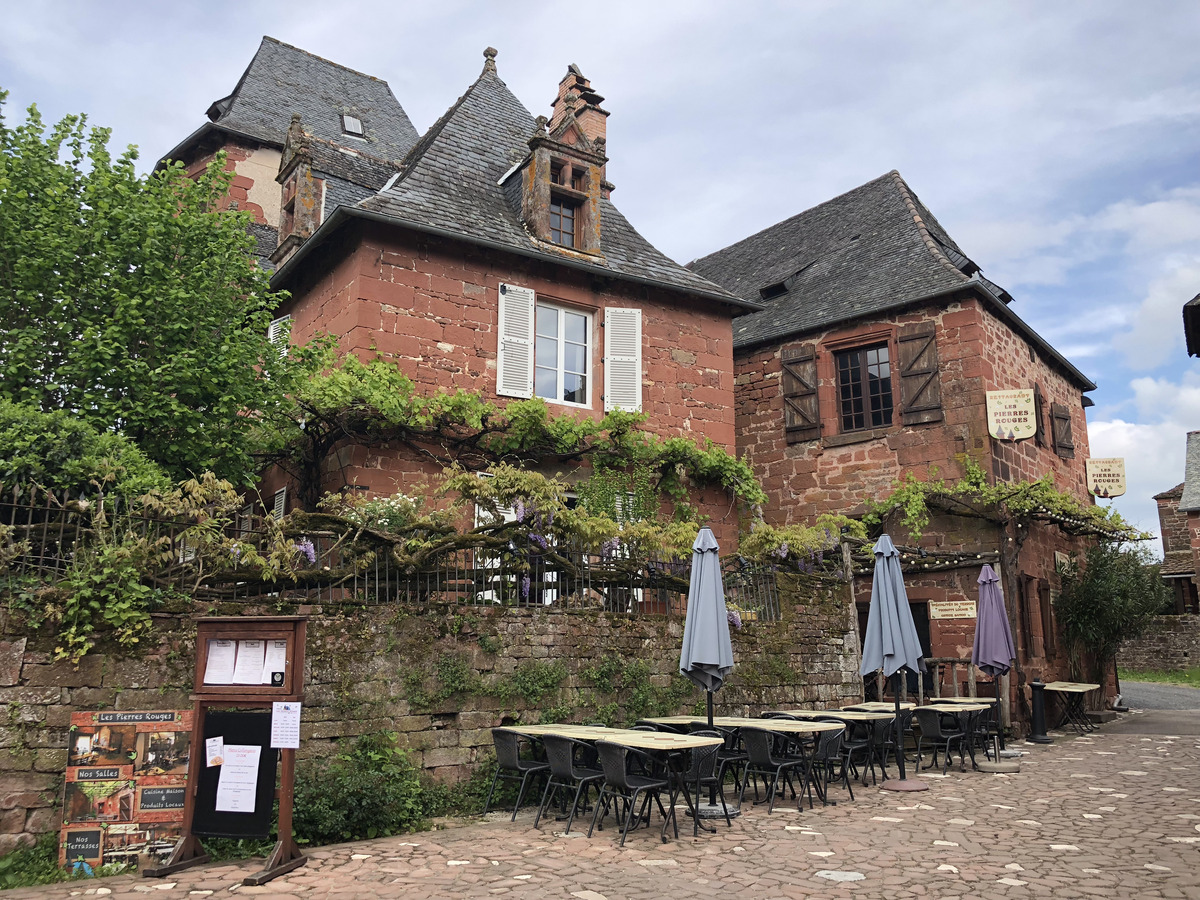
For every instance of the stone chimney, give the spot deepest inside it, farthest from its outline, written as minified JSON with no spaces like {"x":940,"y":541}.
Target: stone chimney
{"x":575,"y":95}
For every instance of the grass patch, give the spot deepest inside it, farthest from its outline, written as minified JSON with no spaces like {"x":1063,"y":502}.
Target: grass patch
{"x":1181,"y":677}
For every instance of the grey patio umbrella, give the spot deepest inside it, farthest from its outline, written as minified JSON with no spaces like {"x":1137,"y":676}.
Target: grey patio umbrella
{"x":891,"y":641}
{"x":707,"y":654}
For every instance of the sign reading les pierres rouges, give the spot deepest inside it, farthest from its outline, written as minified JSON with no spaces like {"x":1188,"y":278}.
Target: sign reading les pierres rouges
{"x":1106,"y":477}
{"x":1011,"y":415}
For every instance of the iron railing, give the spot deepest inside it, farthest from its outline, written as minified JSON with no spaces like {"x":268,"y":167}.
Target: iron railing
{"x":49,"y":533}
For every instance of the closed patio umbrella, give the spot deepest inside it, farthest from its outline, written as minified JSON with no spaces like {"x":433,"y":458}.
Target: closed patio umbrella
{"x":993,"y":650}
{"x":707,"y":654}
{"x":891,"y":641}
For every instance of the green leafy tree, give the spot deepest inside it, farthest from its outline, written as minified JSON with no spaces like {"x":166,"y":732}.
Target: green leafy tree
{"x":1109,"y":598}
{"x":132,"y":302}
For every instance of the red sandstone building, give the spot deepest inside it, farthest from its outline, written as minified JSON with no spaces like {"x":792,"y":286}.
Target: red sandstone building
{"x":871,"y":360}
{"x":491,"y":258}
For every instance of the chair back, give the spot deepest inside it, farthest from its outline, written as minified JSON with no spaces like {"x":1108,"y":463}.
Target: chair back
{"x":829,"y":745}
{"x":508,"y":748}
{"x":930,"y":721}
{"x":613,"y":763}
{"x":704,"y":759}
{"x":644,"y":728}
{"x":560,"y":753}
{"x":758,"y":747}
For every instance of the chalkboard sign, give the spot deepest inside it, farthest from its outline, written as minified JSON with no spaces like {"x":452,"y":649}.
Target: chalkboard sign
{"x":83,"y":845}
{"x":250,"y":728}
{"x":161,"y":798}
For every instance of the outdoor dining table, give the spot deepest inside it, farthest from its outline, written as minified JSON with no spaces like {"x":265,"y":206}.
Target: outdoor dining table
{"x":1071,"y":694}
{"x":667,"y":744}
{"x":966,"y":711}
{"x":789,"y":726}
{"x":879,"y":706}
{"x":845,"y":715}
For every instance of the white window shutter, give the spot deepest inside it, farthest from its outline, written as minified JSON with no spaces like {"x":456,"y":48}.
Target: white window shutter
{"x":623,"y":359}
{"x":514,"y":359}
{"x":278,"y":329}
{"x":280,"y":503}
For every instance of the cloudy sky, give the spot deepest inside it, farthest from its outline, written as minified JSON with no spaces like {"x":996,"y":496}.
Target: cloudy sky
{"x":1057,"y":142}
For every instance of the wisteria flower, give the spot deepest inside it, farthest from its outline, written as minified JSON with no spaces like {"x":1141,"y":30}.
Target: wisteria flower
{"x":306,"y":549}
{"x":525,"y":587}
{"x":734,"y":618}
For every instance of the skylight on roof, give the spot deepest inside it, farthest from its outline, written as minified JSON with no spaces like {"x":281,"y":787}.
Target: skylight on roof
{"x":353,"y":126}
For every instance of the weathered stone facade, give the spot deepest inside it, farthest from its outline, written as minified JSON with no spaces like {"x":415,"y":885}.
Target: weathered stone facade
{"x":386,"y":669}
{"x":1171,"y":643}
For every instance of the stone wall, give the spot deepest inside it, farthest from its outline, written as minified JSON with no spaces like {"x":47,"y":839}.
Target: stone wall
{"x":1170,"y":644}
{"x":440,"y":677}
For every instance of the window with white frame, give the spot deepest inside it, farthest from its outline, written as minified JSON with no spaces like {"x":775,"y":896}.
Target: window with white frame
{"x":545,"y":350}
{"x":561,"y":354}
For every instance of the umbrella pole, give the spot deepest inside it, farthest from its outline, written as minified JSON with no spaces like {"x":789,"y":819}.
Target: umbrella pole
{"x":903,"y":783}
{"x":899,"y":731}
{"x":710,"y":709}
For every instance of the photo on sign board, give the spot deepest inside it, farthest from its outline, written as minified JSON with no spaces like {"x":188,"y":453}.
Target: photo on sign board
{"x":101,"y":745}
{"x":99,"y":801}
{"x":140,"y":844}
{"x":162,"y":753}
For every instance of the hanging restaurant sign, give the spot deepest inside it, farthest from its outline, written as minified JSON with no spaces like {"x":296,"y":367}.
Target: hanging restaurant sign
{"x":1106,"y":477}
{"x":1011,"y":415}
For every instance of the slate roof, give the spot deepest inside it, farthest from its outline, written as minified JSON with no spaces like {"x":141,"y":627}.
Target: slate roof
{"x":1190,"y":501}
{"x":1177,"y":562}
{"x":872,"y":249}
{"x":450,"y":184}
{"x":282,"y":80}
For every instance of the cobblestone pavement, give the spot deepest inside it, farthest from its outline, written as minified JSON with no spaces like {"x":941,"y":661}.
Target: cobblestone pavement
{"x":1109,"y":815}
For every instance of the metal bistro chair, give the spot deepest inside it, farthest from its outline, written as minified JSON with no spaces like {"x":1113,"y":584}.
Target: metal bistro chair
{"x":567,"y":772}
{"x":859,"y":741}
{"x":622,"y":784}
{"x":731,"y":757}
{"x":705,"y":773}
{"x":510,"y":765}
{"x":939,"y":729}
{"x":763,"y":760}
{"x":831,"y":760}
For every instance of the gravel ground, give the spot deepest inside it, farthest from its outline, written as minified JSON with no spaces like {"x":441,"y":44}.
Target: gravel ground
{"x":1148,"y":695}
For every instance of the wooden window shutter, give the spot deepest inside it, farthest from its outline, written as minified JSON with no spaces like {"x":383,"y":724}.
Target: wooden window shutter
{"x":280,"y":505}
{"x":622,"y":359}
{"x":514,"y":359}
{"x":920,"y":386}
{"x":801,"y":413}
{"x":1039,"y":419}
{"x":1060,"y":430}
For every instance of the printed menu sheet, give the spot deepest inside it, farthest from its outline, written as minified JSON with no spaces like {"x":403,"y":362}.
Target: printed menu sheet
{"x":275,"y":664}
{"x":285,"y":725}
{"x":238,"y":782}
{"x":250,"y":658}
{"x":221,"y":656}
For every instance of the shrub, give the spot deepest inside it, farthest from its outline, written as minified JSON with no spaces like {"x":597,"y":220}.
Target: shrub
{"x":370,"y":790}
{"x":61,"y":452}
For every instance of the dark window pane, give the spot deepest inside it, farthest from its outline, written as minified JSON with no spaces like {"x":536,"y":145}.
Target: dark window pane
{"x":574,"y":388}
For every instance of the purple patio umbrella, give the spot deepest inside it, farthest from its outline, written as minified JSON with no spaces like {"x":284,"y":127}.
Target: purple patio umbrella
{"x":993,"y":651}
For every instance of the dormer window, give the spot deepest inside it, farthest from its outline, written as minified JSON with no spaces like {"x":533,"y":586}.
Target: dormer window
{"x":353,"y":126}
